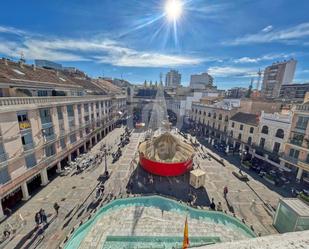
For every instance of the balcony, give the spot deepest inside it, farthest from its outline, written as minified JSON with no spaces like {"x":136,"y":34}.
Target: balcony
{"x":24,"y":125}
{"x":297,"y":142}
{"x":29,"y":146}
{"x":289,"y":159}
{"x":50,"y":137}
{"x":3,"y":157}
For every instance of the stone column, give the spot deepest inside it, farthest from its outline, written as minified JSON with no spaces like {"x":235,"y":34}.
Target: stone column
{"x":69,"y":158}
{"x":299,"y":174}
{"x":77,"y":151}
{"x":85,"y":147}
{"x":59,"y":167}
{"x":96,"y":138}
{"x":44,"y":177}
{"x":90,"y":142}
{"x":24,"y":189}
{"x":2,"y":216}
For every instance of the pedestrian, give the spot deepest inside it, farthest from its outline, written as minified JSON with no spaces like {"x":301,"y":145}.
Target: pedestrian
{"x":219,"y":207}
{"x":212,"y":204}
{"x":225,"y":191}
{"x":97,"y":192}
{"x":56,"y":207}
{"x":43,"y":216}
{"x":37,"y":219}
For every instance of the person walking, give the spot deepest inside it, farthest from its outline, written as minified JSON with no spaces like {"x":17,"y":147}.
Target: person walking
{"x":219,"y":207}
{"x":212,"y":204}
{"x":43,"y":216}
{"x":56,"y":207}
{"x":37,"y":219}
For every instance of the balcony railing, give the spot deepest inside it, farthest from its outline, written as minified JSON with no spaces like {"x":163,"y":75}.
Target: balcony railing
{"x":50,"y":137}
{"x":29,"y":146}
{"x":288,"y":158}
{"x":11,"y":101}
{"x":3,"y":157}
{"x":296,"y":142}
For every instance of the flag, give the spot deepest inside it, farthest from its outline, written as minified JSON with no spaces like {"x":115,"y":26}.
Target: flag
{"x":185,"y":243}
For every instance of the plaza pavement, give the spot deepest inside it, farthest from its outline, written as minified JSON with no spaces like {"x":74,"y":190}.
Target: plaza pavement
{"x":75,"y":194}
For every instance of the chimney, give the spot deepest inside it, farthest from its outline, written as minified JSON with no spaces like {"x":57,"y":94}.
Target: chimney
{"x":21,"y":64}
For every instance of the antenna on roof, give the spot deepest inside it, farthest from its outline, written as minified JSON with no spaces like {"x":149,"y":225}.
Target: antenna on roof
{"x":22,"y":57}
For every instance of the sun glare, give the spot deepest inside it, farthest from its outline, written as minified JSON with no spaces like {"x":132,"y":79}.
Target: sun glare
{"x":173,"y":9}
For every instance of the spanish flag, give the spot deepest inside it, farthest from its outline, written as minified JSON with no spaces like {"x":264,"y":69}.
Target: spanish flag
{"x":185,"y":243}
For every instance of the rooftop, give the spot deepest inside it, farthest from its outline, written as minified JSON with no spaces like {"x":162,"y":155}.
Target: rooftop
{"x":246,"y":118}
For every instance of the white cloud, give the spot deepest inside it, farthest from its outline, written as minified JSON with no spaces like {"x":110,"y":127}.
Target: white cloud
{"x":263,"y":58}
{"x":228,"y":71}
{"x":267,"y":28}
{"x":288,"y":34}
{"x":97,"y":50}
{"x":11,"y":30}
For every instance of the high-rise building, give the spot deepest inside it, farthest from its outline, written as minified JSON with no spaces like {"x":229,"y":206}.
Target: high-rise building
{"x":201,"y":81}
{"x":173,"y":78}
{"x":276,"y":75}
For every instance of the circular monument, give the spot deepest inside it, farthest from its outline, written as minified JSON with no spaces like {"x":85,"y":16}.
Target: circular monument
{"x":166,"y":155}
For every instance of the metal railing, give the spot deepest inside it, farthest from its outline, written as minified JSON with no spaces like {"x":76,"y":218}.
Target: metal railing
{"x":50,"y":137}
{"x":29,"y":146}
{"x":13,"y":101}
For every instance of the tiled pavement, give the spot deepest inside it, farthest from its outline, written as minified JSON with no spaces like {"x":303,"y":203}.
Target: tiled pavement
{"x":73,"y":190}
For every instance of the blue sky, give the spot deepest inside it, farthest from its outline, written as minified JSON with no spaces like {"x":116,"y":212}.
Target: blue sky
{"x":133,"y":38}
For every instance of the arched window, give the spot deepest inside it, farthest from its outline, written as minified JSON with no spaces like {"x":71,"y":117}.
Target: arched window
{"x":204,"y":113}
{"x":200,"y":112}
{"x":215,"y":115}
{"x":220,"y":116}
{"x":226,"y":118}
{"x":209,"y":114}
{"x":280,"y":133}
{"x":265,"y":129}
{"x":251,"y":129}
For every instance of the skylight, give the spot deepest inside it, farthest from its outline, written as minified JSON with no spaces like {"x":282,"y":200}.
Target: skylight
{"x":18,"y":72}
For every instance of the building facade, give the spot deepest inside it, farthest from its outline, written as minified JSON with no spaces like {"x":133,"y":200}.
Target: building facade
{"x":294,"y":92}
{"x":276,"y":75}
{"x":201,"y":81}
{"x":173,"y":79}
{"x":296,"y":152}
{"x":39,"y":135}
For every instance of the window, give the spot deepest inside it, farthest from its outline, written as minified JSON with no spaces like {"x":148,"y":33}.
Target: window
{"x":50,"y":150}
{"x":265,"y":129}
{"x":220,"y":116}
{"x":209,"y":114}
{"x":225,"y":128}
{"x":251,"y":130}
{"x":276,"y":147}
{"x":72,"y":138}
{"x":63,"y":143}
{"x":45,"y":116}
{"x":262,"y":143}
{"x":233,"y":124}
{"x":297,"y":139}
{"x":86,"y":108}
{"x":59,"y":112}
{"x":239,"y":136}
{"x":79,"y":109}
{"x":22,"y":117}
{"x":280,"y":133}
{"x":215,"y":116}
{"x":241,"y":127}
{"x":302,"y":123}
{"x":231,"y":133}
{"x":30,"y":160}
{"x":249,"y":140}
{"x":294,"y":153}
{"x":226,"y":118}
{"x":70,"y":110}
{"x":4,"y":175}
{"x":204,"y":113}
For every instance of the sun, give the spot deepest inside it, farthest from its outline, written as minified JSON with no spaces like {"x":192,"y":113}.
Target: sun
{"x":173,"y":9}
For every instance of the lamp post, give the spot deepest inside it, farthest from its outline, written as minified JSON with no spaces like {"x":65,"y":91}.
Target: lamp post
{"x":105,"y":158}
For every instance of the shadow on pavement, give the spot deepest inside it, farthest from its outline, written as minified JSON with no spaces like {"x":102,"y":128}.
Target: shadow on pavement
{"x":174,"y":187}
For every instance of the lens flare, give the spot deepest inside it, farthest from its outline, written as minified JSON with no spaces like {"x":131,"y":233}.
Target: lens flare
{"x":173,"y":9}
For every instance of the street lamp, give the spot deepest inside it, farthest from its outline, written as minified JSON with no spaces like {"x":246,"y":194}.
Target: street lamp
{"x":105,"y":158}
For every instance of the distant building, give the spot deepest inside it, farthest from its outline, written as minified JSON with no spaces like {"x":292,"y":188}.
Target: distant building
{"x":276,"y":75}
{"x":173,"y":78}
{"x":48,"y":64}
{"x":237,"y":92}
{"x":201,"y":81}
{"x":294,"y":91}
